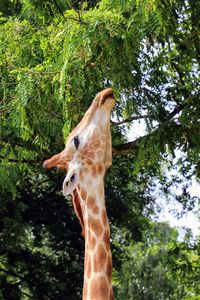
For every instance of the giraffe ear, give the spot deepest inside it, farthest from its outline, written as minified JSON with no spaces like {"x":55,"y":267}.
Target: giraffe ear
{"x":71,"y":181}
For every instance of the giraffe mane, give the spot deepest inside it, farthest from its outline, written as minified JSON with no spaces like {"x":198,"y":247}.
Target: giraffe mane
{"x":78,"y":209}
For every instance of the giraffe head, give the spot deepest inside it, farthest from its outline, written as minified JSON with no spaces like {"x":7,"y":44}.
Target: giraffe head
{"x":89,"y":144}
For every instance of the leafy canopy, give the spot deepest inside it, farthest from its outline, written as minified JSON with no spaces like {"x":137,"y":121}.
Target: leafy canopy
{"x":55,"y":56}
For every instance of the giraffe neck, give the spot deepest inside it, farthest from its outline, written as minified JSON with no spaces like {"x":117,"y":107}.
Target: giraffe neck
{"x":98,"y":258}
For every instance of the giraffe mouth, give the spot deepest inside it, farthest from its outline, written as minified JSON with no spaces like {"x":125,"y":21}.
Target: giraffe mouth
{"x":107,"y":98}
{"x":106,"y":95}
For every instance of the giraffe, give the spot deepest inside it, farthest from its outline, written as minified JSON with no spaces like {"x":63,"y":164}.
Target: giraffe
{"x":86,"y":157}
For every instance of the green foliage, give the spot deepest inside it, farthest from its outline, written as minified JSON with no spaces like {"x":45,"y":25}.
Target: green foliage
{"x":159,"y":267}
{"x":54,"y":57}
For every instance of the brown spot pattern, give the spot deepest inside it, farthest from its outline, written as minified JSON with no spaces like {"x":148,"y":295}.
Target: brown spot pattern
{"x":91,"y":241}
{"x":95,"y":144}
{"x":89,"y":268}
{"x":89,"y":161}
{"x":83,"y":194}
{"x":92,"y":205}
{"x":78,"y":209}
{"x":91,"y":154}
{"x":100,"y":169}
{"x":109,"y":268}
{"x":99,"y":289}
{"x":111,"y":294}
{"x":95,"y":226}
{"x":99,"y":260}
{"x":101,"y":191}
{"x":84,"y":152}
{"x":94,"y":171}
{"x":95,"y":210}
{"x":104,"y":217}
{"x":106,"y":239}
{"x":90,"y":202}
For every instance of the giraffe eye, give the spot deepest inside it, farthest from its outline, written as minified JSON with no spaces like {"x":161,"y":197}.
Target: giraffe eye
{"x":76,"y":142}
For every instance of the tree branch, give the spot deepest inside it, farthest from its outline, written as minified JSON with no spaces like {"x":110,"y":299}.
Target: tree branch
{"x":127,"y":148}
{"x":133,"y":147}
{"x":79,"y":17}
{"x":121,"y":149}
{"x":177,"y":109}
{"x":133,"y":118}
{"x":38,"y":73}
{"x":34,"y":72}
